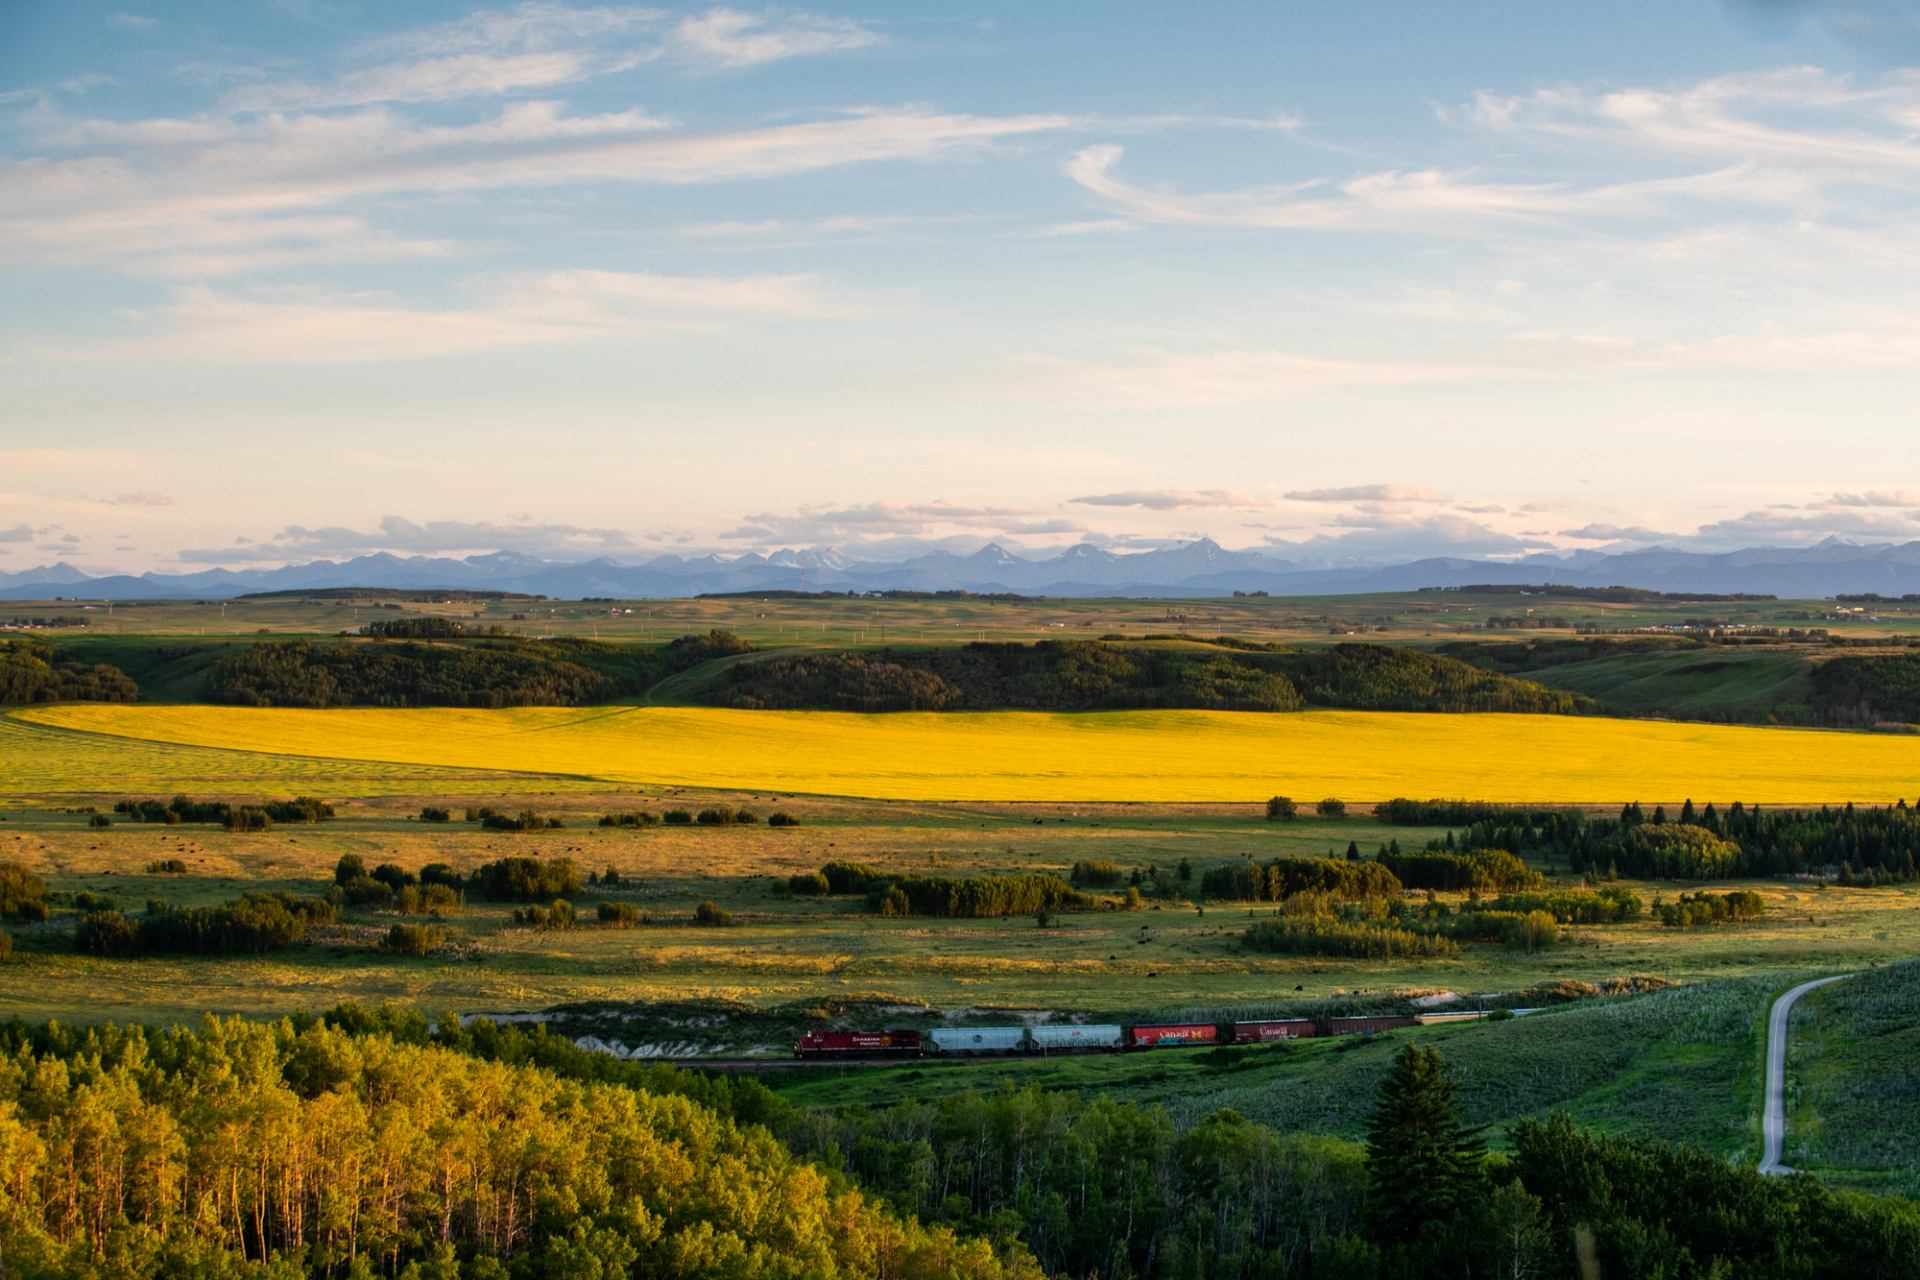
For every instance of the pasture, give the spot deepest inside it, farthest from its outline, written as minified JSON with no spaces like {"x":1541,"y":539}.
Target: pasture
{"x":841,"y":621}
{"x":1141,"y":756}
{"x":785,"y":952}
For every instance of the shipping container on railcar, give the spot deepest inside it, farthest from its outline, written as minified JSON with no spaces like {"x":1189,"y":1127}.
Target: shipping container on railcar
{"x":857,"y":1044}
{"x":1060,"y":1039}
{"x":1366,"y":1026}
{"x":1172,"y":1033}
{"x":979,"y":1039}
{"x":1260,"y":1032}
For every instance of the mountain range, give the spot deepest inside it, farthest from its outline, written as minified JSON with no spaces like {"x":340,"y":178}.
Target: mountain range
{"x":1198,"y":568}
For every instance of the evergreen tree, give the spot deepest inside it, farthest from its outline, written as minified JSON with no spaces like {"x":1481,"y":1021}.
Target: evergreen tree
{"x":1423,"y":1164}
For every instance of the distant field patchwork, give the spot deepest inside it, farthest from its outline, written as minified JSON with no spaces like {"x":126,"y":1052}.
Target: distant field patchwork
{"x":1120,"y":756}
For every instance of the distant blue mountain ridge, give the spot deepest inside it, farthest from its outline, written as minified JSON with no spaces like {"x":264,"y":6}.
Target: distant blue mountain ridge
{"x":1192,"y":569}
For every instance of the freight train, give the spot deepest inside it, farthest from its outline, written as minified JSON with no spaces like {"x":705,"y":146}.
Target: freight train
{"x":966,"y":1042}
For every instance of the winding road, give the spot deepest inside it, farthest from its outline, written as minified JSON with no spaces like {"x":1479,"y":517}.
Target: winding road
{"x":1773,"y":1122}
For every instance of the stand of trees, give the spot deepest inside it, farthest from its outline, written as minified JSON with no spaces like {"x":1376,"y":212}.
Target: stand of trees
{"x":976,"y":896}
{"x":1486,"y":869}
{"x":1080,"y":675}
{"x":465,"y":672}
{"x":1096,"y":1186}
{"x":1865,"y":689}
{"x":31,"y":670}
{"x":254,"y":923}
{"x":300,"y":809}
{"x":276,"y":1151}
{"x":1250,"y":881}
{"x":1856,"y":845}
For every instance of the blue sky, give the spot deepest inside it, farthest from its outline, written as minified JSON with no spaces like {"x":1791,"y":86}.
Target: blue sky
{"x":1360,"y":280}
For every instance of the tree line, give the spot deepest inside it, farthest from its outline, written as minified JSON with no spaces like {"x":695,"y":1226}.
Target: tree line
{"x":31,"y":670}
{"x":1080,"y":675}
{"x":284,"y":1150}
{"x":464,"y":672}
{"x":1097,"y":1186}
{"x":1856,"y":845}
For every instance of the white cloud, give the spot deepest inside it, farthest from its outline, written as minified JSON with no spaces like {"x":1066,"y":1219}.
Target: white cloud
{"x":1773,"y":528}
{"x":1803,"y":120}
{"x":1618,"y":533}
{"x":545,"y":46}
{"x":1174,"y":499}
{"x":179,"y":186}
{"x":1877,"y":498}
{"x":562,"y":306}
{"x":18,"y":533}
{"x":1408,"y":537}
{"x":400,"y":535}
{"x":821,"y":524}
{"x":1369,"y":493}
{"x":139,"y":499}
{"x":461,"y":75}
{"x":730,"y":38}
{"x":1168,"y":380}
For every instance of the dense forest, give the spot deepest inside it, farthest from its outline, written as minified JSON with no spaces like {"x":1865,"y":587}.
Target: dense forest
{"x":486,"y":672}
{"x":31,"y":670}
{"x":1855,"y":845}
{"x":370,"y":1144}
{"x":1866,"y":689}
{"x":1081,"y":675}
{"x":276,"y":1151}
{"x":1096,"y":1186}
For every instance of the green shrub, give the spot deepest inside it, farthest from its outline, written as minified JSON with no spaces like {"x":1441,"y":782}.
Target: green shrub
{"x":618,"y":915}
{"x":415,"y":939}
{"x":710,"y":914}
{"x":23,"y":895}
{"x":1282,"y":809}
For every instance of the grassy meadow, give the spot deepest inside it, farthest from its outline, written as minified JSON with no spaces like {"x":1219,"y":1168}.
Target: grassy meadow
{"x":1152,"y":756}
{"x":785,"y":952}
{"x":1397,"y":617}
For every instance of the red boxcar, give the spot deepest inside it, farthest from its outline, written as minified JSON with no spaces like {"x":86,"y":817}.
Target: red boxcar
{"x":858,"y":1044}
{"x":1273,"y":1029}
{"x":1172,"y":1033}
{"x":1368,"y":1025}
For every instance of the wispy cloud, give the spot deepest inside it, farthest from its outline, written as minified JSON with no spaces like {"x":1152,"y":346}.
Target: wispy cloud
{"x":731,"y":38}
{"x":1175,"y":499}
{"x":821,"y":524}
{"x":180,"y":186}
{"x":1368,"y":493}
{"x":281,"y":326}
{"x":1189,"y":380}
{"x":541,"y":46}
{"x":401,"y":535}
{"x":1877,"y":498}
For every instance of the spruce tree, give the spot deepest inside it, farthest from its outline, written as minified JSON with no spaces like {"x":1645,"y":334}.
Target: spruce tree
{"x":1423,"y":1163}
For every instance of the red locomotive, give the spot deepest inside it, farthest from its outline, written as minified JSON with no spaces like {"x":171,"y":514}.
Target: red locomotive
{"x":858,"y":1044}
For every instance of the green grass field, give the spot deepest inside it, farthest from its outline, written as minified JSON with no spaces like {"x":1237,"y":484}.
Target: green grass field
{"x":786,"y":950}
{"x":1401,"y":617}
{"x":1690,"y":684}
{"x":1681,"y":1064}
{"x":1854,"y":1081}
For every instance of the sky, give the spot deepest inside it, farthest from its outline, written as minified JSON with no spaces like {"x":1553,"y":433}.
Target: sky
{"x":281,"y":281}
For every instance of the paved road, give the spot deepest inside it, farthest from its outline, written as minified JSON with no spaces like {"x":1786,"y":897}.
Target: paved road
{"x":1773,"y":1122}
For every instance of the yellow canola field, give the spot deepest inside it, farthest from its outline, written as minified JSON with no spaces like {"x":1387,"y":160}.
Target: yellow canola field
{"x":1124,"y":755}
